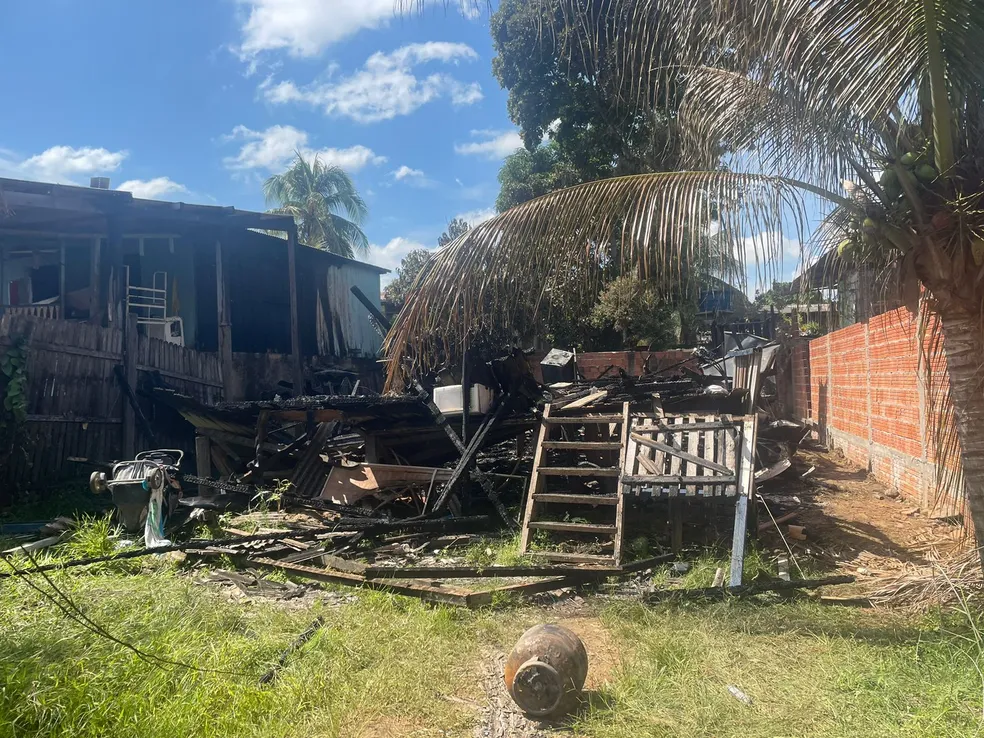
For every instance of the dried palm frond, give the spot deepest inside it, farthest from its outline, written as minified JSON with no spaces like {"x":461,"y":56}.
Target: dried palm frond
{"x":945,"y":581}
{"x":510,"y":269}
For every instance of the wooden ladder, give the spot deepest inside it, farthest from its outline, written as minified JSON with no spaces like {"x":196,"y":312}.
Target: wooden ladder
{"x":585,"y":432}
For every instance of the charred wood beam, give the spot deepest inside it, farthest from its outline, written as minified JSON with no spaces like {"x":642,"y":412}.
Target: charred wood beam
{"x":746,"y":590}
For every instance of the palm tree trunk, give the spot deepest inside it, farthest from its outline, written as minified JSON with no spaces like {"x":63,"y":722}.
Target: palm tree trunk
{"x":963,"y":338}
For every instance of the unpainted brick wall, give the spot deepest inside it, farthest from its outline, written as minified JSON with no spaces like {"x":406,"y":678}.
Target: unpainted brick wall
{"x":868,"y":393}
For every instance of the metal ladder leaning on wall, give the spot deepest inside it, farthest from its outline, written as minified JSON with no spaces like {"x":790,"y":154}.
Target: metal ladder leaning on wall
{"x":591,"y":485}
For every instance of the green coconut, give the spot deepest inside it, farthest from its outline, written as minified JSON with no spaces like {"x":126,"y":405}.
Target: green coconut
{"x":908,"y":159}
{"x":888,"y":178}
{"x":869,"y":226}
{"x":926,"y":172}
{"x":845,"y":248}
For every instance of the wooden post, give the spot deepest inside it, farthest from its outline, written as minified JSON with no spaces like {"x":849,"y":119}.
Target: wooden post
{"x":118,"y":281}
{"x":61,"y":279}
{"x":295,"y":345}
{"x":204,"y":463}
{"x":130,"y":372}
{"x":225,"y":325}
{"x":94,"y":282}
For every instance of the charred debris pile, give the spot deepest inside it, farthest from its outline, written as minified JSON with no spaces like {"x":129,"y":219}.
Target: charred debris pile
{"x":383,"y":491}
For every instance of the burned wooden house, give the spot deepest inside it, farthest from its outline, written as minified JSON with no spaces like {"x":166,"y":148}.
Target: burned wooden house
{"x":220,"y":303}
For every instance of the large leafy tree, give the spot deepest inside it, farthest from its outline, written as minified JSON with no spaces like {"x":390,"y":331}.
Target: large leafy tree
{"x":325,"y":205}
{"x":808,"y":94}
{"x":530,"y":173}
{"x":565,"y":90}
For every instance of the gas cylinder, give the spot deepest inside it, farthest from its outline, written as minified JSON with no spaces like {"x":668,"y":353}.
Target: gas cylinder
{"x":546,"y":670}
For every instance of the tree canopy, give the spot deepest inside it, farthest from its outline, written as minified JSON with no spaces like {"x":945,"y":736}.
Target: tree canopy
{"x":565,"y":90}
{"x":316,"y":194}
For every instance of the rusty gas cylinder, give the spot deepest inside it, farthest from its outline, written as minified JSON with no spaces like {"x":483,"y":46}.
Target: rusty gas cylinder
{"x":546,"y":670}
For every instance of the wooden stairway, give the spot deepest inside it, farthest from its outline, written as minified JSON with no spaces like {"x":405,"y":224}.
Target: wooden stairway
{"x":574,"y":487}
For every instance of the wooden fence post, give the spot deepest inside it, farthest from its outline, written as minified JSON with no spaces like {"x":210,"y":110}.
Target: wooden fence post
{"x":130,"y":372}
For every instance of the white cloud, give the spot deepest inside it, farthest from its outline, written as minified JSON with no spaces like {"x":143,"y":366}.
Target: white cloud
{"x":491,"y":144}
{"x":153,"y":189}
{"x":274,"y":148}
{"x":62,"y":164}
{"x":390,"y":255}
{"x":769,"y":254}
{"x":474,"y":217}
{"x":304,"y":28}
{"x":405,"y":172}
{"x":386,"y":86}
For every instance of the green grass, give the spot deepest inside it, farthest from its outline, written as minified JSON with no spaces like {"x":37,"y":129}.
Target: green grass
{"x":386,"y":665}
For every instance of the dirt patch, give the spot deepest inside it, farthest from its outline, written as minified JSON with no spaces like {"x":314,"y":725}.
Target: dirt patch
{"x":603,"y":657}
{"x":853,"y":522}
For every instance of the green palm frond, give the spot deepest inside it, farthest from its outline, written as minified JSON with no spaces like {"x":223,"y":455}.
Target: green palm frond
{"x":315,"y":194}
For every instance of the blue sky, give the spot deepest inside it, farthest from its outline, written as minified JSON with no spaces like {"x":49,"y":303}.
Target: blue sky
{"x":201,"y":100}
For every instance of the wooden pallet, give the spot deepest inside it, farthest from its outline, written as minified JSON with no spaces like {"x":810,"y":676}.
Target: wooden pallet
{"x":694,"y":457}
{"x":600,"y":438}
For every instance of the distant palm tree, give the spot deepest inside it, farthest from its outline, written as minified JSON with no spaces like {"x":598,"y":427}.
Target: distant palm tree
{"x":314,"y":193}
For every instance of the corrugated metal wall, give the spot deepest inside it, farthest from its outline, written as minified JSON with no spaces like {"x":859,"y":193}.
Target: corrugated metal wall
{"x":351,"y":327}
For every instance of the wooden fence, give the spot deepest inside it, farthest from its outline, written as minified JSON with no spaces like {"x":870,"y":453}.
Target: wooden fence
{"x":75,"y":402}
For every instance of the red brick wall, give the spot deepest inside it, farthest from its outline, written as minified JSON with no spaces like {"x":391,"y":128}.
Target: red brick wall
{"x":591,"y":365}
{"x":867,"y":391}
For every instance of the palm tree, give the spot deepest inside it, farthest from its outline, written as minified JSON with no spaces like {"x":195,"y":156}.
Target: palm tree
{"x":314,"y":193}
{"x":872,"y":110}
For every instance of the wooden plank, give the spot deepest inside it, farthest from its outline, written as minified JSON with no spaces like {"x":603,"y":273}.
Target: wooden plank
{"x":675,"y":462}
{"x":130,"y":374}
{"x":68,"y":349}
{"x":677,"y":479}
{"x":730,"y":461}
{"x":647,"y":465}
{"x":572,"y":527}
{"x":691,"y":439}
{"x":679,"y":455}
{"x":73,"y":419}
{"x":408,"y":587}
{"x":699,"y":425}
{"x":144,"y":367}
{"x":295,"y":341}
{"x":224,"y":322}
{"x":620,"y":503}
{"x":486,"y":572}
{"x":536,"y":481}
{"x":583,"y":419}
{"x":708,"y":451}
{"x":584,"y":401}
{"x":584,"y":445}
{"x":577,"y":471}
{"x":480,"y":599}
{"x":559,"y":498}
{"x":573,"y":558}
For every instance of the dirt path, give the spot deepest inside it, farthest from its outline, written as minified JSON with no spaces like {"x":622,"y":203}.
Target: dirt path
{"x":853,"y":522}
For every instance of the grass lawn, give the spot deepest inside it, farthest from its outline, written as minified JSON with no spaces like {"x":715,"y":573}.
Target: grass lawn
{"x":390,"y":666}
